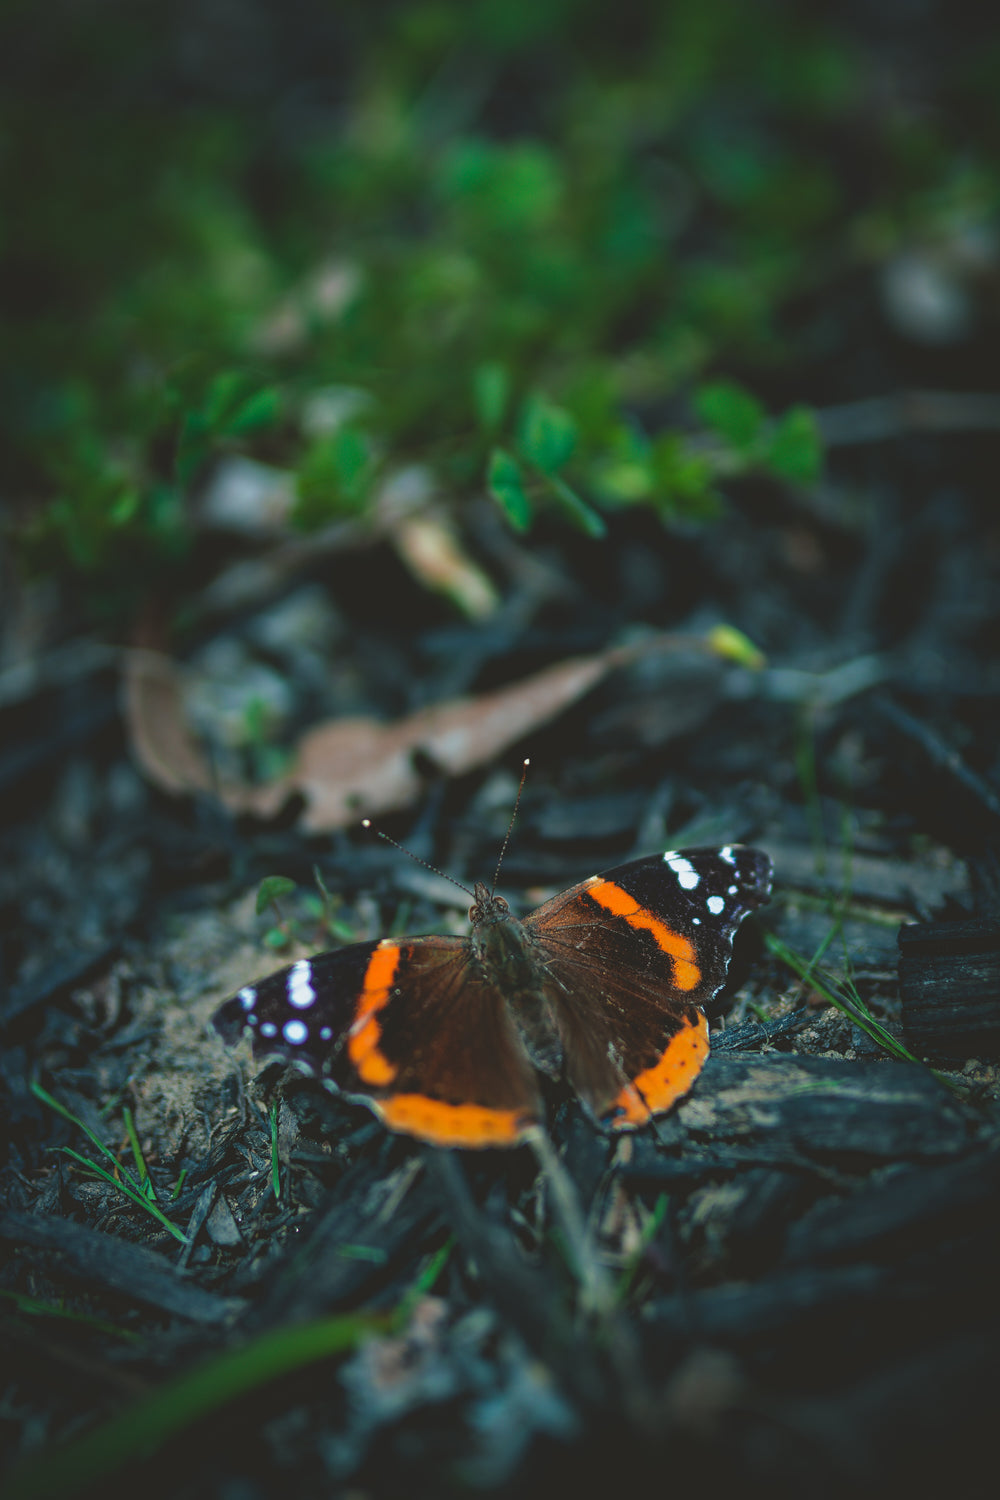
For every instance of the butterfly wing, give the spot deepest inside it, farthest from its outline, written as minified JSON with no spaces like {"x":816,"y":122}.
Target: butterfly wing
{"x":411,"y":1029}
{"x":631,"y":957}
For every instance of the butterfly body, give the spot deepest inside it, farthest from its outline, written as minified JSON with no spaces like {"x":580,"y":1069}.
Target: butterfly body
{"x":601,"y":990}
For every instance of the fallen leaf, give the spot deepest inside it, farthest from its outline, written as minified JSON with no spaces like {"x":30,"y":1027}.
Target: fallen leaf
{"x":165,"y":745}
{"x":346,"y":769}
{"x":431,"y":550}
{"x":349,"y":768}
{"x":161,"y":738}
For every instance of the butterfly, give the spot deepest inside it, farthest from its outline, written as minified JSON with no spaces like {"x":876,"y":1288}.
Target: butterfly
{"x":450,"y":1039}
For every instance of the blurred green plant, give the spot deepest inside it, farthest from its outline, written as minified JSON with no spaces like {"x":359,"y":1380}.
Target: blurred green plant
{"x":534,"y":281}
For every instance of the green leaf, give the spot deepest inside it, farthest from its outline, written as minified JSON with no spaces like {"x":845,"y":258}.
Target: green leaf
{"x":271,"y":888}
{"x":546,"y":434}
{"x":583,"y":516}
{"x":490,"y":393}
{"x":730,"y":411}
{"x":334,"y":477}
{"x":225,"y":391}
{"x":262,"y":409}
{"x":795,"y":448}
{"x":505,"y":482}
{"x":684,"y":480}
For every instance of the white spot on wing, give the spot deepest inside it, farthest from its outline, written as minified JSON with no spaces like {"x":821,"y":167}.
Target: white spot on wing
{"x":325,"y":1033}
{"x":687,"y":875}
{"x":268,"y":1029}
{"x":247,"y":998}
{"x":695,"y":921}
{"x":300,"y":991}
{"x":716,"y":905}
{"x":732,"y":890}
{"x":728,"y":855}
{"x":295,"y":1032}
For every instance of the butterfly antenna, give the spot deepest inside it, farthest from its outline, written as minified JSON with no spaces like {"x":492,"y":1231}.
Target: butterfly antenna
{"x":367,"y":823}
{"x":510,"y":825}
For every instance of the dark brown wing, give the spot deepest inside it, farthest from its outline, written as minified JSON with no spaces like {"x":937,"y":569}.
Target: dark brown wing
{"x":408,"y":1028}
{"x":631,"y":957}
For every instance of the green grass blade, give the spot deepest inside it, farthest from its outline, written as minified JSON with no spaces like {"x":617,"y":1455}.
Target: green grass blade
{"x":121,"y":1179}
{"x":67,"y":1114}
{"x":135,"y":1195}
{"x":825,"y":986}
{"x":144,"y":1427}
{"x":275,"y":1165}
{"x":649,"y":1232}
{"x":137,"y":1156}
{"x":33,"y":1307}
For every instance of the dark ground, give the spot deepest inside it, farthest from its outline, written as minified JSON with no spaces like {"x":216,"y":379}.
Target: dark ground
{"x":805,"y":1256}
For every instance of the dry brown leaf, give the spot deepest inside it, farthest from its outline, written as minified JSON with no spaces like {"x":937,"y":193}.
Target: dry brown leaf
{"x":432,"y":551}
{"x":167,"y":748}
{"x":346,"y":769}
{"x":161,"y":738}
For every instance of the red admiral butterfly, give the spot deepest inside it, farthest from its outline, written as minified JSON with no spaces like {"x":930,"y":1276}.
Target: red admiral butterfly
{"x":601,"y":988}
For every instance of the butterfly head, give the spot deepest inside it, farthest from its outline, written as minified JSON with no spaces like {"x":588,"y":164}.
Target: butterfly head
{"x":488,"y":908}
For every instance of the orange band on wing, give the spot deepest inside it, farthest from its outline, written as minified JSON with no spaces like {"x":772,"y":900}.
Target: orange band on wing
{"x":656,"y":1089}
{"x":681,"y":950}
{"x":452,"y":1124}
{"x":366,"y":1033}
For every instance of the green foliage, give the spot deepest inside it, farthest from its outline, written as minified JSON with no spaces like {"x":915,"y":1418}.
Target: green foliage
{"x":528,"y":282}
{"x":270,"y":889}
{"x":794,"y":447}
{"x":732,"y":412}
{"x":506,"y":483}
{"x":335,"y":477}
{"x":232,"y":406}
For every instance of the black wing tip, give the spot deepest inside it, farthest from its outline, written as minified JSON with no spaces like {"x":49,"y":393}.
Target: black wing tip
{"x":230,"y":1021}
{"x":753,"y":866}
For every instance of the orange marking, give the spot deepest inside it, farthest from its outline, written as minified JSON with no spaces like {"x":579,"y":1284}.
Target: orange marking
{"x":366,"y":1033}
{"x":656,"y":1089}
{"x":452,"y":1124}
{"x":681,"y":950}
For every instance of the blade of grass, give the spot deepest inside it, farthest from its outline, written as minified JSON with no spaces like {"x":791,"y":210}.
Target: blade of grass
{"x":826,"y":986}
{"x":649,"y":1232}
{"x":137,"y":1156}
{"x":60,"y":1109}
{"x":33,"y":1307}
{"x":134,"y":1194}
{"x":275,"y":1168}
{"x":424,"y":1282}
{"x":144,"y":1427}
{"x":120,"y":1178}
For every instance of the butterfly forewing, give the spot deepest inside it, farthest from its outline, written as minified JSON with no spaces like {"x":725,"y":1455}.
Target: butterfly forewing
{"x":632,"y":956}
{"x":410,"y":1028}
